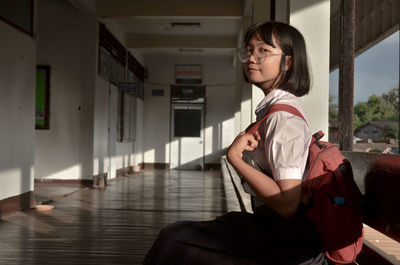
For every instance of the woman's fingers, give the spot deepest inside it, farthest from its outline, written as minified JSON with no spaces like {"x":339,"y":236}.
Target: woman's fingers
{"x":257,"y":136}
{"x":249,"y":148}
{"x":252,"y":141}
{"x":244,"y":141}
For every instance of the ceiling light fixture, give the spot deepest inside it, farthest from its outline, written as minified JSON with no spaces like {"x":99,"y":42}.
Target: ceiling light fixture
{"x":185,"y":25}
{"x":191,"y":50}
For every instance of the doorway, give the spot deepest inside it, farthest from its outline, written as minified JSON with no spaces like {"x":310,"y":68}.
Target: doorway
{"x":187,"y":136}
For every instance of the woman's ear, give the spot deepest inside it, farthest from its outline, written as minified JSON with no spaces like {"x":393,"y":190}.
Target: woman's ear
{"x":288,"y":62}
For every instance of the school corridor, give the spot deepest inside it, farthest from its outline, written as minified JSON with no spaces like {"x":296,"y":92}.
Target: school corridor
{"x":113,"y":225}
{"x":117,"y":224}
{"x":93,"y":89}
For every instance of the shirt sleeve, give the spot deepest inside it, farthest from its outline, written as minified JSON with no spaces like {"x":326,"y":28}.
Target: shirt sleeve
{"x":286,"y":144}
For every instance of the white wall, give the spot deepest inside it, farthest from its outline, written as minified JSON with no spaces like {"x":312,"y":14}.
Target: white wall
{"x":17,"y":111}
{"x":219,"y":78}
{"x":156,"y":115}
{"x":312,"y":19}
{"x":247,"y":98}
{"x":67,"y":43}
{"x":221,"y":96}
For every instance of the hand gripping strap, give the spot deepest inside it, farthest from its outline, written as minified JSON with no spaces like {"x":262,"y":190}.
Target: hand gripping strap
{"x":272,"y":109}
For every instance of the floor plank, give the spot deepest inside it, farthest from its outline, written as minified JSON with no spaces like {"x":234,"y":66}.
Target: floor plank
{"x":115,"y":225}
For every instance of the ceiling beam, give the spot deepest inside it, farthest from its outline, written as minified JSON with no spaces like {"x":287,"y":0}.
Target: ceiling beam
{"x":375,"y":20}
{"x":140,"y":8}
{"x":133,"y":42}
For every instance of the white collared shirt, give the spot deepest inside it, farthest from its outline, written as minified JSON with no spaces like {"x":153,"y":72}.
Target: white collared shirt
{"x":283,"y":149}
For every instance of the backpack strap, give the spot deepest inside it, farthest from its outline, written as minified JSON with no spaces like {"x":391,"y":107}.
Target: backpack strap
{"x":274,"y":108}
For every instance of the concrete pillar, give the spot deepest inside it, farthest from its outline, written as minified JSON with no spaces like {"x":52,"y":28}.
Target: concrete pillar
{"x":261,"y":13}
{"x":312,"y":19}
{"x":246,"y":110}
{"x":346,"y":74}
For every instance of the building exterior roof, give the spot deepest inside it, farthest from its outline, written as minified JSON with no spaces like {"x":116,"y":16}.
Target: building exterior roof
{"x":379,"y":124}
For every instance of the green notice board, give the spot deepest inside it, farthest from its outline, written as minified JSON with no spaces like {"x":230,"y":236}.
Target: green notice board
{"x":42,"y":97}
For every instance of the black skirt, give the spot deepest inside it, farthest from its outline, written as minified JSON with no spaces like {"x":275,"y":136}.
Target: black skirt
{"x":239,"y":238}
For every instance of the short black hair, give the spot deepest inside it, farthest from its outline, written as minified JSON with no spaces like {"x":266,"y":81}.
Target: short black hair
{"x":296,"y":79}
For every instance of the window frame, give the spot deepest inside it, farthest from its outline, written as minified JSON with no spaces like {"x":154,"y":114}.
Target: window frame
{"x":116,"y":65}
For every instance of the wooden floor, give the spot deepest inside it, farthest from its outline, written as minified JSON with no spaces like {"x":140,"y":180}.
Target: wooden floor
{"x":116,"y":225}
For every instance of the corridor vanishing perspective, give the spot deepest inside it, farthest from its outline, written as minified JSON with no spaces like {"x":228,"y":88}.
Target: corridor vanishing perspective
{"x":114,"y":225}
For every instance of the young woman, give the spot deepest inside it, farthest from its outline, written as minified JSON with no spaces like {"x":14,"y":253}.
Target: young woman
{"x":273,"y":164}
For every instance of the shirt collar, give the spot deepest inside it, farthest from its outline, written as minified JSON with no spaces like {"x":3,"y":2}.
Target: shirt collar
{"x":272,"y":97}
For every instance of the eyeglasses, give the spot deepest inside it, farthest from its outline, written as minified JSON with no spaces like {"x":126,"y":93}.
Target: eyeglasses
{"x":259,"y":54}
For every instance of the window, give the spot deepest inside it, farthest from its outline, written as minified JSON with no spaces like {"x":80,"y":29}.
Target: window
{"x":112,"y":57}
{"x":119,"y":67}
{"x":137,"y":70}
{"x":127,"y":111}
{"x":117,"y":73}
{"x":18,"y":13}
{"x":127,"y":117}
{"x":104,"y":63}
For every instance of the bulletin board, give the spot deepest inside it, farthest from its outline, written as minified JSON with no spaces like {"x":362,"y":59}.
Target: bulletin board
{"x":42,"y":114}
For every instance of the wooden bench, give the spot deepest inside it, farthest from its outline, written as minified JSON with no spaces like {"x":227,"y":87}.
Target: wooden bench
{"x":378,"y":177}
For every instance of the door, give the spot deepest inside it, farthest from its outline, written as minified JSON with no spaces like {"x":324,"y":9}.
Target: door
{"x":187,"y":145}
{"x":112,"y":130}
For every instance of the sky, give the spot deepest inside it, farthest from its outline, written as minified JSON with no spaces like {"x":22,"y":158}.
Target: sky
{"x":376,"y":70}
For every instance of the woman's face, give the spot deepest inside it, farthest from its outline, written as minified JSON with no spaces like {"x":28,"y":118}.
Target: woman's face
{"x":265,"y":74}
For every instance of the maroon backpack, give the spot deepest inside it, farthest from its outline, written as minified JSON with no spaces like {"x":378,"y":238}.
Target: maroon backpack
{"x":334,"y":198}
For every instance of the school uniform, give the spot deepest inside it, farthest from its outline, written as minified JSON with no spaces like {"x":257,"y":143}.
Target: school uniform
{"x":262,"y":237}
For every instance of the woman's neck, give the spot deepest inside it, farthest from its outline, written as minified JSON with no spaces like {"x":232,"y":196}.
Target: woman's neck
{"x":269,"y":86}
{"x":266,"y":88}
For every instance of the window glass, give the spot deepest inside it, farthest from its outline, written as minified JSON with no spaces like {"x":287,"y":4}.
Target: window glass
{"x":117,"y":71}
{"x":187,"y":122}
{"x":104,"y":64}
{"x":128,"y":118}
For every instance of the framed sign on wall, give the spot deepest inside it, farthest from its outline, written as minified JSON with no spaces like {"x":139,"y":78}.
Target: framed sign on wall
{"x":188,"y":74}
{"x":42,"y":114}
